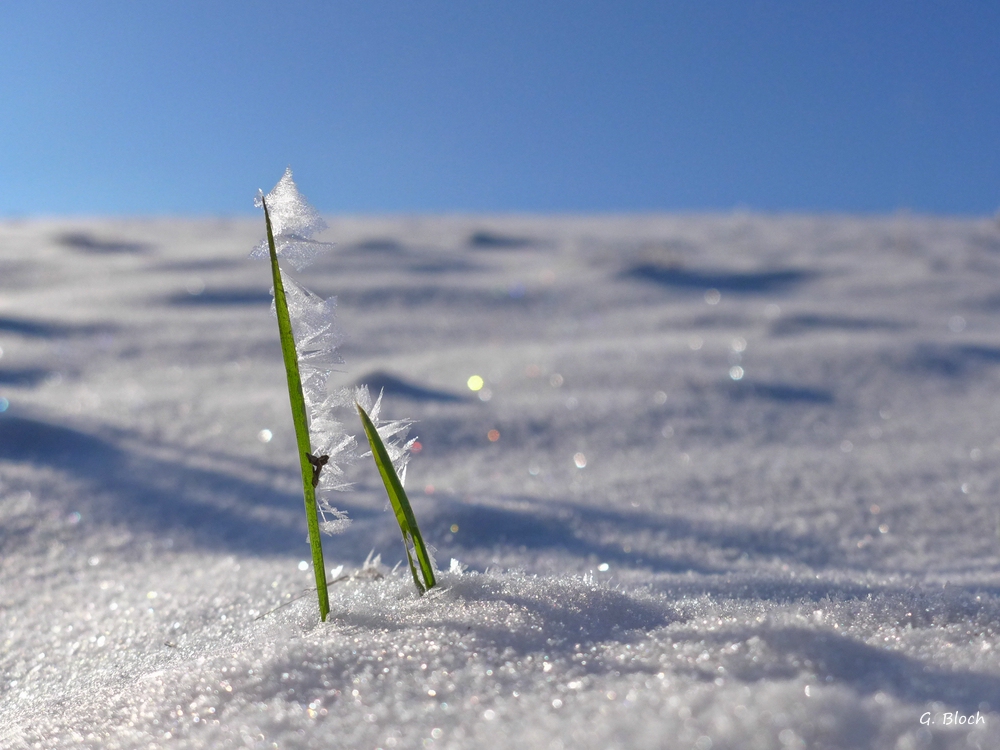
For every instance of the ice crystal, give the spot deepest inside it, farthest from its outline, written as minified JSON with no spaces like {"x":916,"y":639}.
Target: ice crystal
{"x":373,"y":567}
{"x":294,"y":222}
{"x":317,"y":339}
{"x":393,"y":432}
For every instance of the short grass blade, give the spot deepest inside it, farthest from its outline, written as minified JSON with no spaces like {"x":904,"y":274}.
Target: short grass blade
{"x":400,"y":506}
{"x":298,"y":404}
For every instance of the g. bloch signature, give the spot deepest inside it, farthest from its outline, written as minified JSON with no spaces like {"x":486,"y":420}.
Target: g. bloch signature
{"x":952,"y":719}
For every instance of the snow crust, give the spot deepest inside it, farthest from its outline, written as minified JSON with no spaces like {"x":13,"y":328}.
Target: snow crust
{"x":730,"y":482}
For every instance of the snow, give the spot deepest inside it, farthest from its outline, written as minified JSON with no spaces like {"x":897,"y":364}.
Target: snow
{"x":655,"y":548}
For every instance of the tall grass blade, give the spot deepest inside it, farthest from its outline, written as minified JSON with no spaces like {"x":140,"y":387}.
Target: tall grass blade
{"x":298,"y":404}
{"x":400,"y":506}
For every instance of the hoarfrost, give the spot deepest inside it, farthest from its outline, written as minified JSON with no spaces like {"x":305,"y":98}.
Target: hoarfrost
{"x":294,"y":222}
{"x":392,"y":432}
{"x":313,"y":320}
{"x":329,"y":437}
{"x":317,"y":338}
{"x":331,"y":521}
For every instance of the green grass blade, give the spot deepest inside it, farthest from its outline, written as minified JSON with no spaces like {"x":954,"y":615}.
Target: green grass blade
{"x":400,"y":506}
{"x":298,"y":404}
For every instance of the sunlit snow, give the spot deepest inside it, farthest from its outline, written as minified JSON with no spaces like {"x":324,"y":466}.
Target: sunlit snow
{"x":705,"y":482}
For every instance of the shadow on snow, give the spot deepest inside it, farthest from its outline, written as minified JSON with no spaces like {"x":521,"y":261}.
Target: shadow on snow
{"x":736,"y":282}
{"x":795,"y":324}
{"x":391,"y":385}
{"x":211,"y":508}
{"x":952,"y":361}
{"x":89,"y":243}
{"x":24,"y":376}
{"x":222,"y":297}
{"x":219,"y":508}
{"x":838,"y":658}
{"x":48,"y":329}
{"x":575,"y":530}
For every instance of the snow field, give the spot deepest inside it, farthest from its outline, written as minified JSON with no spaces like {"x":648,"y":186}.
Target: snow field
{"x":800,"y":553}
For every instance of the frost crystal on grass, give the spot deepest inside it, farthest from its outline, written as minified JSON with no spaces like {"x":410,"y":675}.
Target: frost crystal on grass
{"x":294,"y":222}
{"x":393,"y":432}
{"x":317,"y":338}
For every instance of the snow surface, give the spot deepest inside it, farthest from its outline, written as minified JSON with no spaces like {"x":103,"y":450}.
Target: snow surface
{"x":744,"y":492}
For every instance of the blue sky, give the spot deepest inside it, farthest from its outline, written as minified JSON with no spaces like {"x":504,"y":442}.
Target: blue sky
{"x":120,"y":108}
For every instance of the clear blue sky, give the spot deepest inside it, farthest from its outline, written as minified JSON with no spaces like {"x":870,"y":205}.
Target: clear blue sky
{"x":145,"y":107}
